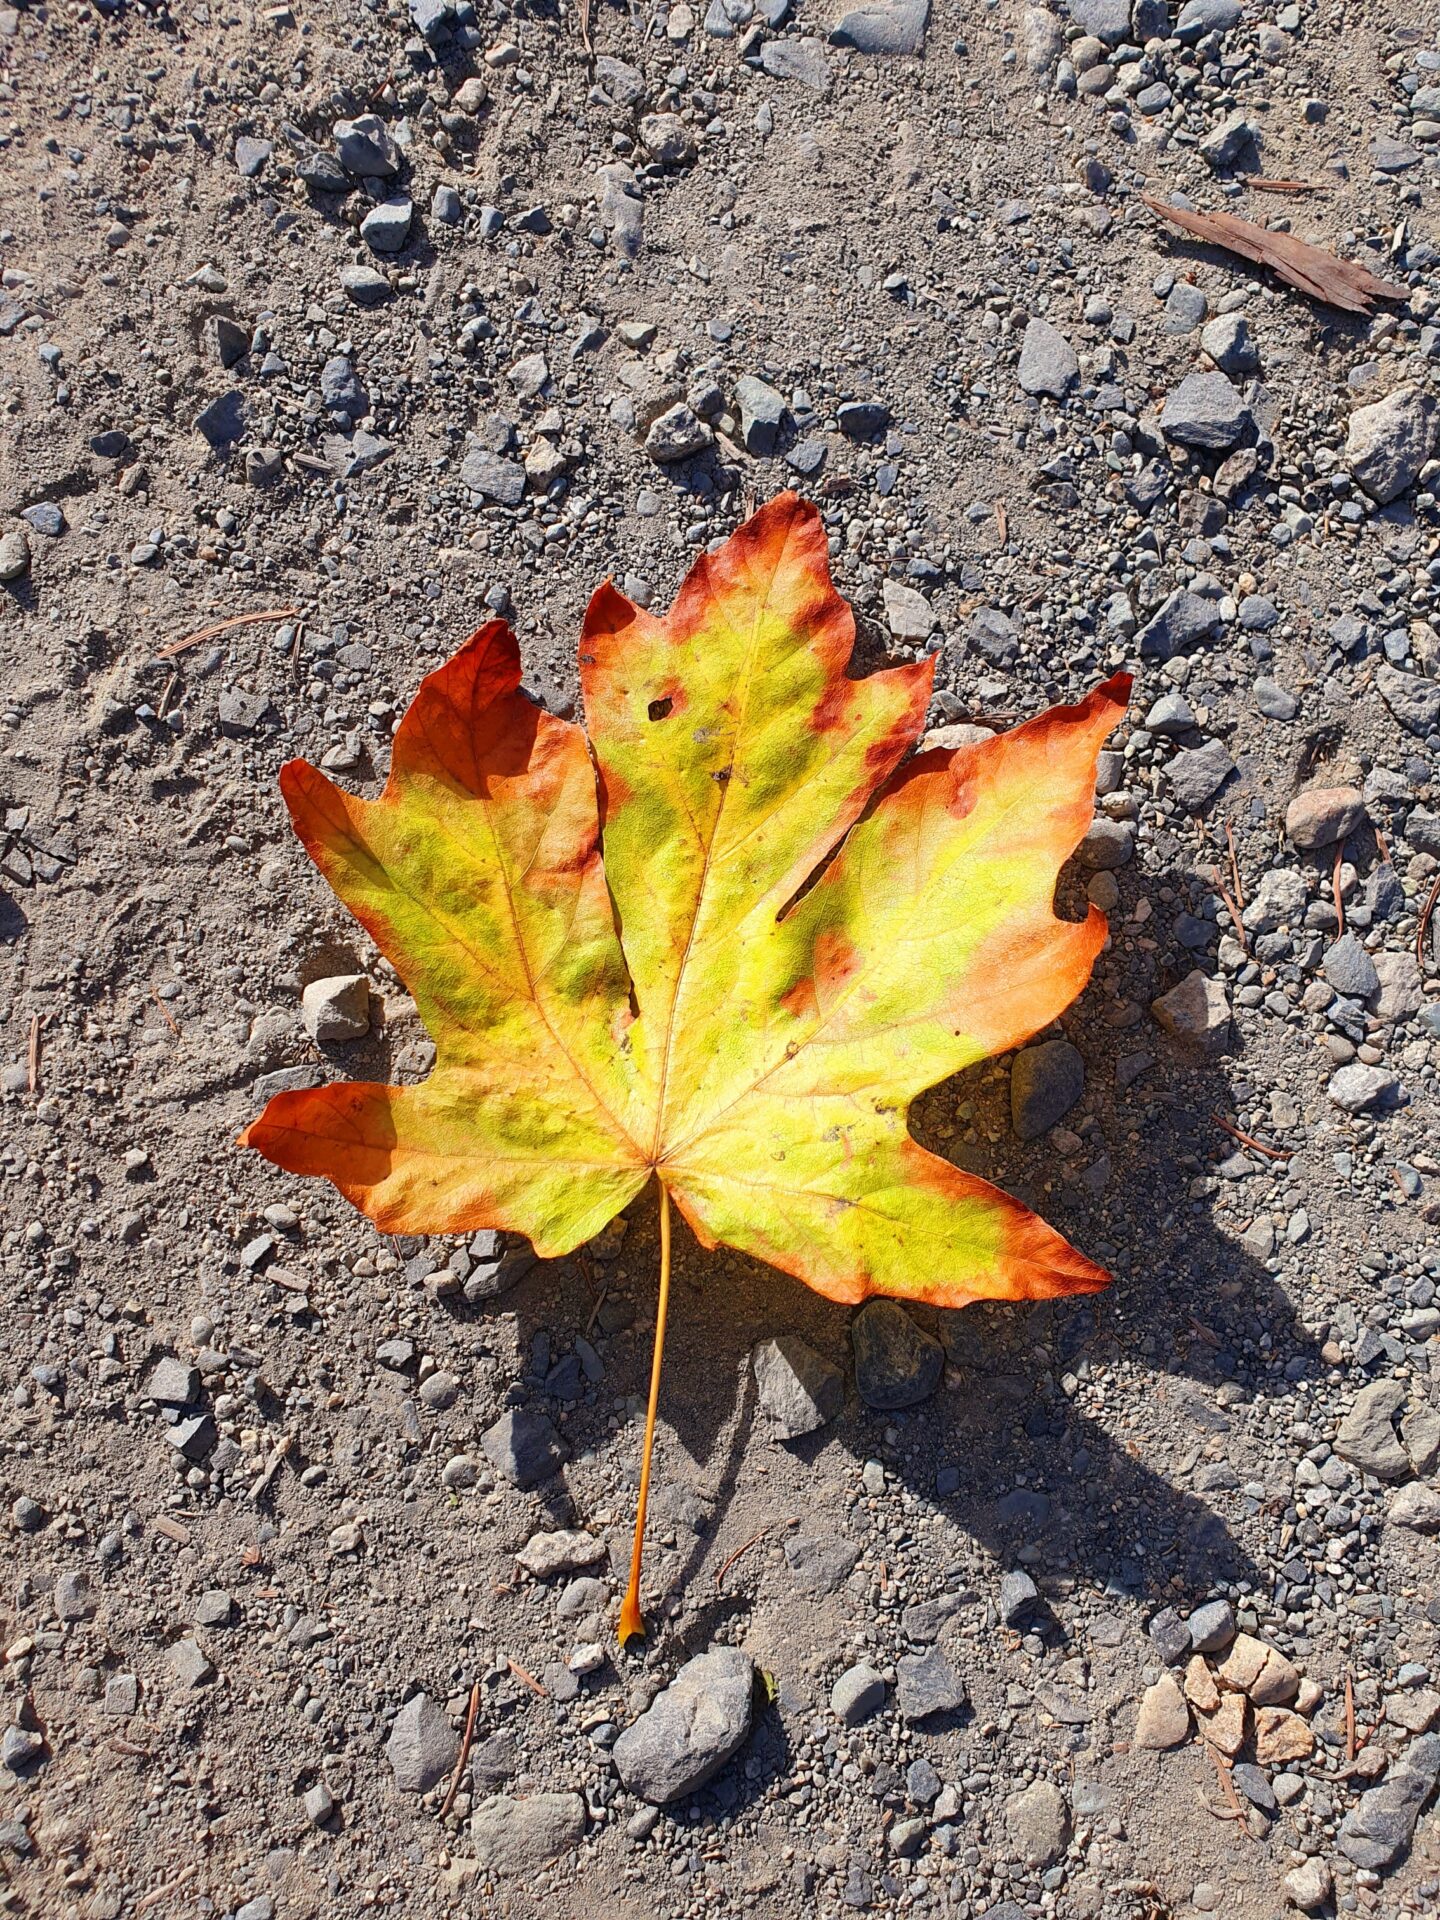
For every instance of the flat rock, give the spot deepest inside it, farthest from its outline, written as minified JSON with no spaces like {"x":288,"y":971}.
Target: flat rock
{"x":1039,"y":1823}
{"x":386,"y":227}
{"x":897,"y":1363}
{"x":14,"y":556}
{"x":802,"y":61}
{"x":1045,"y":1083}
{"x":762,"y":414}
{"x":821,"y":1562}
{"x":1200,"y":17}
{"x":364,"y":285}
{"x":366,"y":148}
{"x":422,"y":1746}
{"x":927,"y":1684}
{"x":1414,"y":702}
{"x":1320,"y":816}
{"x":222,"y":422}
{"x":1183,"y":621}
{"x":883,"y":26}
{"x":908,"y":614}
{"x":1376,"y":1833}
{"x":1367,"y":1436}
{"x":1196,"y":1012}
{"x":1048,"y":362}
{"x":1164,"y":1719}
{"x":523,"y":1446}
{"x":485,"y":473}
{"x":1108,"y":20}
{"x":1349,"y":968}
{"x":1388,"y":443}
{"x":799,"y":1390}
{"x":548,"y":1555}
{"x":1357,"y":1087}
{"x":337,"y":1008}
{"x":1196,"y":774}
{"x":676,"y":434}
{"x":1416,"y":1508}
{"x":518,"y":1836}
{"x":1205,"y":411}
{"x":690,"y":1730}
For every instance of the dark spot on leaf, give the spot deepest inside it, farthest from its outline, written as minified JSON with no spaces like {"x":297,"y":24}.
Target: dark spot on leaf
{"x":660,"y":709}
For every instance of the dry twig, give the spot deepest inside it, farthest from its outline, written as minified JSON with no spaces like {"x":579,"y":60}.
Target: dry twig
{"x":726,"y":1565}
{"x":1249,"y":1140}
{"x":465,"y":1743}
{"x":1289,"y":186}
{"x":1335,"y":886}
{"x":225,"y":626}
{"x":1426,"y":911}
{"x":522,"y":1673}
{"x":1350,"y":1744}
{"x":33,"y":1062}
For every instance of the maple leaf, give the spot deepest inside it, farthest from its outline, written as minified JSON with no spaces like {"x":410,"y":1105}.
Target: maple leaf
{"x":795,"y":930}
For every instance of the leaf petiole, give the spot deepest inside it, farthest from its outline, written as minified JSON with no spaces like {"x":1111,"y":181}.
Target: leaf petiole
{"x":632,"y":1624}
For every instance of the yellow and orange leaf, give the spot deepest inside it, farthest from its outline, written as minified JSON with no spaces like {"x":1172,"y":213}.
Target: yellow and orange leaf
{"x":727,"y":952}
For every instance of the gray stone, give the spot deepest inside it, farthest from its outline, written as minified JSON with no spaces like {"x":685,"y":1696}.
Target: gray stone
{"x":821,"y":1562}
{"x":194,"y":1438}
{"x":897,"y":1363}
{"x":862,"y":419}
{"x":1388,"y":443}
{"x":1420,"y":1433}
{"x":337,"y":1008}
{"x":1019,"y":1595}
{"x":319,"y":170}
{"x":622,"y":212}
{"x":666,"y":139}
{"x":1205,"y":411}
{"x":1367,"y":1436}
{"x":189,"y":1665}
{"x":1227,"y":341}
{"x":1170,"y":1637}
{"x":1414,"y":702}
{"x":223,"y":421}
{"x":994,"y":636}
{"x":1376,"y":1833}
{"x":433,"y":20}
{"x":1224,"y":144}
{"x":1274,"y":701}
{"x":171,"y":1383}
{"x":232,"y":342}
{"x":857,"y":1696}
{"x":366,"y":148}
{"x":1171,"y":714}
{"x":548,"y":1555}
{"x":14,"y":556}
{"x":1212,"y":1626}
{"x":1416,"y":1507}
{"x":624,"y":84}
{"x":73,"y":1598}
{"x":251,"y":154}
{"x":1108,"y":20}
{"x":1183,"y":621}
{"x":1356,"y":1087}
{"x":762,"y":414}
{"x":241,"y":712}
{"x":1310,"y":1885}
{"x":883,"y":26}
{"x":524,"y":1447}
{"x":1320,"y":816}
{"x":1039,"y":1823}
{"x":1197,"y":774}
{"x":802,"y":61}
{"x":485,"y":473}
{"x":691,"y":1730}
{"x":1048,"y":362}
{"x":1257,"y":612}
{"x":1196,"y":1012}
{"x":1045,"y":1083}
{"x":44,"y":517}
{"x":799,"y":1391}
{"x":21,"y":1748}
{"x":423,"y":1745}
{"x":1349,"y":968}
{"x":319,"y":1804}
{"x":446,"y":206}
{"x":364,"y":286}
{"x":386,"y":227}
{"x":908,"y":614}
{"x":677,"y":434}
{"x":1044,"y":39}
{"x":1109,"y":844}
{"x":1200,"y":17}
{"x":1185,"y":307}
{"x":927,"y":1684}
{"x":519,"y":1836}
{"x":122,"y":1696}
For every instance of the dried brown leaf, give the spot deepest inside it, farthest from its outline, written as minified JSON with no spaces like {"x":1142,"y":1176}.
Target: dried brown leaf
{"x":1313,"y":270}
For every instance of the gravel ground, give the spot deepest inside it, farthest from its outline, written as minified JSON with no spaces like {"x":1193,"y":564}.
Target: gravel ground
{"x":364,"y":323}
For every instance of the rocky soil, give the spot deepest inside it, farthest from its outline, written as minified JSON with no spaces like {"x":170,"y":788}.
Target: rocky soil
{"x":326,"y":331}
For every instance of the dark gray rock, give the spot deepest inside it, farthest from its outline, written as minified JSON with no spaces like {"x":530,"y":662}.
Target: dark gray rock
{"x":691,"y":1729}
{"x":1212,"y":1626}
{"x":1205,"y":411}
{"x":1019,"y":1596}
{"x":1045,"y":1083}
{"x":762,"y":414}
{"x":386,"y":227}
{"x":1170,"y":1637}
{"x":1388,"y":443}
{"x":364,"y":286}
{"x":485,"y":473}
{"x":251,"y":154}
{"x":994,"y":636}
{"x":857,"y":1696}
{"x":1414,"y":702}
{"x":1349,"y":968}
{"x":677,"y":434}
{"x":798,"y":1389}
{"x":821,"y":1562}
{"x":1183,"y":621}
{"x":1367,"y":1436}
{"x":863,"y":419}
{"x":422,"y":1746}
{"x":897,"y":1363}
{"x":1197,"y":774}
{"x":222,"y":422}
{"x":172,"y":1383}
{"x":1376,"y":1833}
{"x":927,"y":1684}
{"x":1108,"y":20}
{"x":524,"y":1447}
{"x":1200,"y":17}
{"x":366,"y":148}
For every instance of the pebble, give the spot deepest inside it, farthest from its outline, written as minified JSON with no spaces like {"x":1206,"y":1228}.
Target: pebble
{"x":14,"y":556}
{"x":691,"y":1729}
{"x":548,"y":1555}
{"x":1045,"y":1083}
{"x":883,"y":27}
{"x":897,"y":1364}
{"x":858,"y":1695}
{"x":1048,"y":363}
{"x":798,"y":1390}
{"x":1205,"y":411}
{"x":524,"y":1447}
{"x":422,"y":1746}
{"x":1376,"y":1833}
{"x":1320,"y":816}
{"x":1164,"y":1718}
{"x":1039,"y":1823}
{"x":1388,"y":443}
{"x":386,"y":227}
{"x":337,"y":1008}
{"x":1197,"y":1013}
{"x":926,"y":1684}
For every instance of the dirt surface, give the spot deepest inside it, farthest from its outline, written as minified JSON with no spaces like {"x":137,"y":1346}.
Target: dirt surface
{"x":204,"y":1646}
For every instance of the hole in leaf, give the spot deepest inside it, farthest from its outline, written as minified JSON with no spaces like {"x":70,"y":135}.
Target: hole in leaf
{"x":660,"y":709}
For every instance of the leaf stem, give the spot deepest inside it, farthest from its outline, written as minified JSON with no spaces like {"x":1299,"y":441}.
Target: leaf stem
{"x":631,"y":1620}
